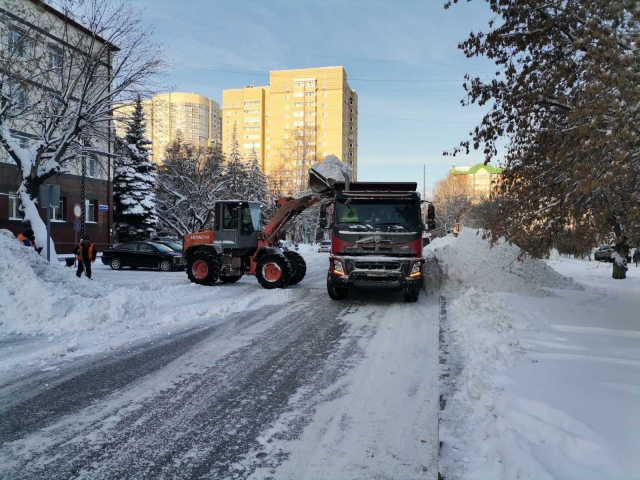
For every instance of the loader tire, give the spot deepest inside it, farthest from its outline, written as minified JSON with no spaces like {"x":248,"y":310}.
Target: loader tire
{"x":229,"y":278}
{"x":298,"y":267}
{"x":273,"y":271}
{"x":203,"y":267}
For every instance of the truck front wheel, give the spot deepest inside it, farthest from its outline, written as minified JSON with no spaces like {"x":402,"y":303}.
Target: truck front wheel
{"x":203,"y":267}
{"x":411,"y":294}
{"x":335,"y":292}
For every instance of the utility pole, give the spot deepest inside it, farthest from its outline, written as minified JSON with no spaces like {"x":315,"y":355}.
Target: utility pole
{"x":424,"y":189}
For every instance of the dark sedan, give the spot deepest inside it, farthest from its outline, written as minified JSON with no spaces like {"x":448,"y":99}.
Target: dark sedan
{"x":145,"y":255}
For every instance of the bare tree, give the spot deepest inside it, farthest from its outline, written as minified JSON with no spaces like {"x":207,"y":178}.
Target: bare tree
{"x":298,"y":155}
{"x":190,"y":180}
{"x":451,"y":200}
{"x":60,"y":76}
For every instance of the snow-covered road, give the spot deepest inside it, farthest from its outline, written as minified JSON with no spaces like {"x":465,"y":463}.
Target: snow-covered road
{"x":262,"y":384}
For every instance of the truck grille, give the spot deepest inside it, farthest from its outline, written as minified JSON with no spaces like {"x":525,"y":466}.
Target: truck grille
{"x":376,"y":266}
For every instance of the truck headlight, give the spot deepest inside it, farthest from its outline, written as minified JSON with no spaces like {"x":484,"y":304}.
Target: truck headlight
{"x":337,"y":267}
{"x":416,"y":270}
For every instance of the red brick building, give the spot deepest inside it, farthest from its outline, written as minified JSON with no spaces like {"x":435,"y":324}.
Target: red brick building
{"x":98,"y":192}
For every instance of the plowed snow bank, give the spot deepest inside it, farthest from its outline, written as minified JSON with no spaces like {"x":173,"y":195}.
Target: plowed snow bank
{"x":469,"y":261}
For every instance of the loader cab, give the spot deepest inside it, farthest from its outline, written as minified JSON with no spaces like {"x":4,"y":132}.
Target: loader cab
{"x":236,"y":226}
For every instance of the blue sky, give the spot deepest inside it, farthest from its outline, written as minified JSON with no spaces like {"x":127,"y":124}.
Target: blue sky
{"x":401,"y":57}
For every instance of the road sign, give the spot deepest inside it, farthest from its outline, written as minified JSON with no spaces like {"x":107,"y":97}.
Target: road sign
{"x":77,"y":210}
{"x":77,"y":225}
{"x":49,"y":196}
{"x":103,"y":208}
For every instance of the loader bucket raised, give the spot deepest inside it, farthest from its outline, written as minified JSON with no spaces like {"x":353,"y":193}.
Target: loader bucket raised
{"x":322,"y":176}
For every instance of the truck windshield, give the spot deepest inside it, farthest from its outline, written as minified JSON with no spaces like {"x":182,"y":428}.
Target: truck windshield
{"x":405,"y":215}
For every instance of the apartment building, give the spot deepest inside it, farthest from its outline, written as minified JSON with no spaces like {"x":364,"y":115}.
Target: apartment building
{"x":302,"y":116}
{"x":196,"y":116}
{"x":482,"y":180}
{"x":44,"y":39}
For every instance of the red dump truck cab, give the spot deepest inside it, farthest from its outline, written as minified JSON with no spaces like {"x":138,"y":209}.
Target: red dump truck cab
{"x":376,"y":238}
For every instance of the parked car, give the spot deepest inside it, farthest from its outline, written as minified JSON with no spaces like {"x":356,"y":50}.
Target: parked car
{"x":172,"y":245}
{"x":604,"y":253}
{"x":286,"y":245}
{"x":143,"y":254}
{"x":324,"y":246}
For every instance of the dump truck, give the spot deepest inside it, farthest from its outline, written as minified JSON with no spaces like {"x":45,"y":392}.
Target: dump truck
{"x":376,"y":237}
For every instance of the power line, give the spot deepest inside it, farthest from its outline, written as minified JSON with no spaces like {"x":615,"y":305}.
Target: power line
{"x":414,"y":119}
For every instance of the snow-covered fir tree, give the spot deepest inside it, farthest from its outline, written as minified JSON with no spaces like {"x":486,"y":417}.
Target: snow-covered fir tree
{"x":134,"y":205}
{"x":257,"y":190}
{"x":236,"y":171}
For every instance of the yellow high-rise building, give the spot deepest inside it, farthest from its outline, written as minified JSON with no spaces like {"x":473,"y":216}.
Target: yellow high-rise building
{"x":299,"y":118}
{"x":196,"y":116}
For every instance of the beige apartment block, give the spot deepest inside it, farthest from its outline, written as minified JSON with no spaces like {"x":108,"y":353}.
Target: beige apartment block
{"x":196,"y":116}
{"x":300,"y":117}
{"x":482,"y":180}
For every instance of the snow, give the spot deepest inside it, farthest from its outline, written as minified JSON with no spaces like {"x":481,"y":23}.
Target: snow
{"x":543,"y":361}
{"x":470,"y":261}
{"x":333,"y":169}
{"x":58,"y":314}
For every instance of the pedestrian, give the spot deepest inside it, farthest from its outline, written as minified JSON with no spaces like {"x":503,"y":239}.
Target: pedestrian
{"x":27,"y":237}
{"x":86,"y":254}
{"x":636,"y":256}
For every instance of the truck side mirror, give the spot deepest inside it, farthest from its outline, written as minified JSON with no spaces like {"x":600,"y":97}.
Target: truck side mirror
{"x":431,"y":217}
{"x":324,"y":220}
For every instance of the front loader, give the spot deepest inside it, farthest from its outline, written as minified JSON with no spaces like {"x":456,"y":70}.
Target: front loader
{"x":237,"y":246}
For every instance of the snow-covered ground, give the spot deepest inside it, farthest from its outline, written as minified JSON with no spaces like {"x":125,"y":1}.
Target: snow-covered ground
{"x":48,"y":316}
{"x":139,"y":374}
{"x":542,"y":378}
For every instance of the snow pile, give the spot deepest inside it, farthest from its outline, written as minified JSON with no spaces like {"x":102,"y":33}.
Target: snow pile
{"x":332,"y":169}
{"x":536,"y":386}
{"x":38,"y":297}
{"x":478,"y":441}
{"x":469,"y":261}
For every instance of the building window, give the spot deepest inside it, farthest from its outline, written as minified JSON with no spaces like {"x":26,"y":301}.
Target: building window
{"x":324,"y":95}
{"x":311,"y":113}
{"x":17,"y":42}
{"x":298,"y":114}
{"x":92,"y":168}
{"x":286,"y":107}
{"x":297,"y":94}
{"x":324,"y":85}
{"x":286,"y":97}
{"x":351,"y":145}
{"x":324,"y":144}
{"x":351,"y":154}
{"x":298,"y":104}
{"x":286,"y":117}
{"x":91,"y":206}
{"x":324,"y":114}
{"x":286,"y":88}
{"x":57,"y":213}
{"x":324,"y":124}
{"x":351,"y":128}
{"x":324,"y":134}
{"x":55,"y":58}
{"x":309,"y":94}
{"x":14,"y":207}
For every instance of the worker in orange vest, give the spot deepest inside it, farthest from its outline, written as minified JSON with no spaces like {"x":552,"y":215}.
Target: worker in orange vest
{"x":27,"y":237}
{"x":86,"y":254}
